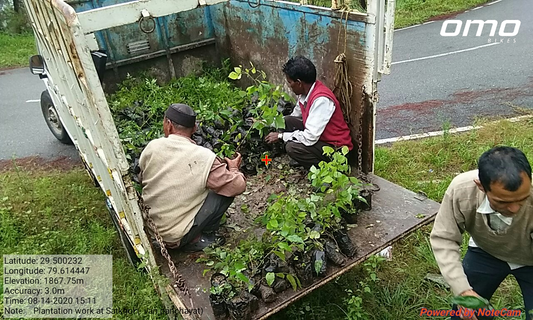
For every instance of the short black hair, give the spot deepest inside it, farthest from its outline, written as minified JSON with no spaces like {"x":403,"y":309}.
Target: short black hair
{"x":300,"y":68}
{"x":504,"y":165}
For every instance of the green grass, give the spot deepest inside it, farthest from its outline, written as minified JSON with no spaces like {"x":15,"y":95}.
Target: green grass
{"x":411,"y":12}
{"x":16,"y":49}
{"x":426,"y":165}
{"x":45,"y":212}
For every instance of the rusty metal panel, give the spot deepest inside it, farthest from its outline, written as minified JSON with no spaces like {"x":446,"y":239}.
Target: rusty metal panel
{"x":274,"y":31}
{"x":395,"y":213}
{"x":270,"y":33}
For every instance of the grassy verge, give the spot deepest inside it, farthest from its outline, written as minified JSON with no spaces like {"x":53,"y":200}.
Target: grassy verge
{"x":16,"y":49}
{"x":411,"y":12}
{"x":43,"y":212}
{"x":401,"y":290}
{"x":72,"y":219}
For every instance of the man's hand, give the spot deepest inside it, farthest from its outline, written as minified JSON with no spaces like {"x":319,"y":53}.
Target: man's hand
{"x":234,"y":163}
{"x":272,"y":137}
{"x":468,"y":311}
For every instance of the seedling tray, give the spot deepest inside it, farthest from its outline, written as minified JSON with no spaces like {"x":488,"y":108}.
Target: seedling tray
{"x":395,"y":213}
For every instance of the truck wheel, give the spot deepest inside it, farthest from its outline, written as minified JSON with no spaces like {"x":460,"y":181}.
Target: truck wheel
{"x":52,"y":119}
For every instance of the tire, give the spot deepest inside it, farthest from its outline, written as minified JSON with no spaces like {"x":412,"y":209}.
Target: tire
{"x":52,"y":120}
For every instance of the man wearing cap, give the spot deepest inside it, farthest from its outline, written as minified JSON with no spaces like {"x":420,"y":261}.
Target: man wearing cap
{"x":316,"y":121}
{"x":186,"y":186}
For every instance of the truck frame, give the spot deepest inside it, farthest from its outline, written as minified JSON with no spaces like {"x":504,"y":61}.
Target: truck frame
{"x":86,"y":47}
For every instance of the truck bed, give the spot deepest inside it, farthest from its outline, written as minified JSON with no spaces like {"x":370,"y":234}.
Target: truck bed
{"x":395,"y":213}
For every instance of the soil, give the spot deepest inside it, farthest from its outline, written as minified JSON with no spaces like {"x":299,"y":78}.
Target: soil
{"x":273,"y":179}
{"x":37,"y":163}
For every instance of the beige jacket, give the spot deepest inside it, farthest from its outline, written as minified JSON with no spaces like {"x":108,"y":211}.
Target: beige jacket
{"x":174,"y":175}
{"x":458,"y":213}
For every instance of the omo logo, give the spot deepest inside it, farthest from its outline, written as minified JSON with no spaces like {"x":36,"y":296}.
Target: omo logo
{"x":456,"y":26}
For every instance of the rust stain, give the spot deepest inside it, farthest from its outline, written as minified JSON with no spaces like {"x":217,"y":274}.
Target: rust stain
{"x":248,"y":42}
{"x":362,"y":104}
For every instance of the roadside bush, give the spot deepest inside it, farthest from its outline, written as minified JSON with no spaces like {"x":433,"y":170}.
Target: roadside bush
{"x":12,"y":22}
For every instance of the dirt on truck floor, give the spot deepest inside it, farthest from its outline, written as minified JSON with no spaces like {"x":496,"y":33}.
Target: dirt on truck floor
{"x":274,"y":179}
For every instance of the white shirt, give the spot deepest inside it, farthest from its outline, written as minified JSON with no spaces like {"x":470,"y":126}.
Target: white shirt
{"x":320,"y":113}
{"x":497,"y":222}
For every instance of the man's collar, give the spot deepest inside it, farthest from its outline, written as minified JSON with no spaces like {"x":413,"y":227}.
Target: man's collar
{"x":178,"y":136}
{"x":485,"y":208}
{"x":308,"y":94}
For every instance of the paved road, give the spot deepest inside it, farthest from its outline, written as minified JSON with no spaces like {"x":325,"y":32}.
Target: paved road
{"x":23,"y":131}
{"x":419,"y":96}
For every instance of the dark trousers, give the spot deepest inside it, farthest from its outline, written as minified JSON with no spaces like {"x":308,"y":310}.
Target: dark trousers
{"x":485,"y":274}
{"x":208,"y":217}
{"x":307,"y":156}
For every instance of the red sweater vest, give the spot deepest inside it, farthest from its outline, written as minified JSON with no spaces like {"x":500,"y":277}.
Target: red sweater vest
{"x":337,"y":132}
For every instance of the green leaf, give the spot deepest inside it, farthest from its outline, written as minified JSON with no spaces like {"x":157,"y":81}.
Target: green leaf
{"x":470,"y":302}
{"x":295,"y":238}
{"x":205,"y":271}
{"x":284,"y":246}
{"x":291,"y":280}
{"x":270,"y":277}
{"x":234,"y":75}
{"x":327,"y":150}
{"x":242,"y":277}
{"x":281,"y":255}
{"x":328,"y":179}
{"x":239,"y":266}
{"x":280,"y":122}
{"x":345,"y":150}
{"x":280,"y":275}
{"x":314,"y":234}
{"x":318,"y":266}
{"x":273,"y":224}
{"x":258,"y":125}
{"x":298,"y":282}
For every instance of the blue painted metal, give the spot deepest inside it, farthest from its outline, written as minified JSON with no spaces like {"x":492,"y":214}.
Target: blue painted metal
{"x":245,"y":33}
{"x":173,"y":30}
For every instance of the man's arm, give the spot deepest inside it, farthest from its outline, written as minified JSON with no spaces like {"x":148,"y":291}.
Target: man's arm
{"x":319,"y":115}
{"x":446,"y":238}
{"x":225,"y":181}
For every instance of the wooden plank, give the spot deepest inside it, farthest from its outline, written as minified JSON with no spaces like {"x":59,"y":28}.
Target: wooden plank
{"x":395,"y":213}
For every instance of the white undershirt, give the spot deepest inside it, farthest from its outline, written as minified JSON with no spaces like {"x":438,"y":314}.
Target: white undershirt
{"x":320,"y":113}
{"x":499,"y":223}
